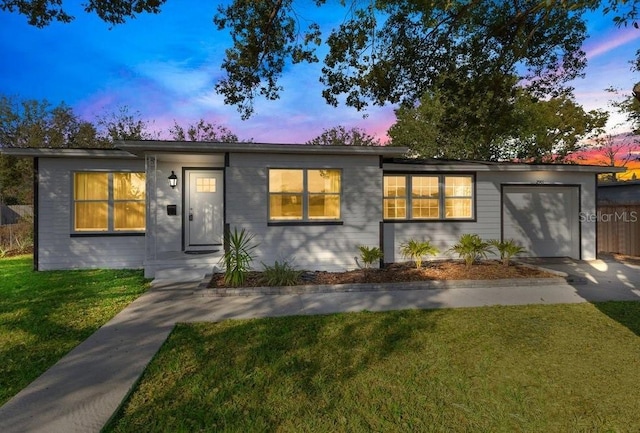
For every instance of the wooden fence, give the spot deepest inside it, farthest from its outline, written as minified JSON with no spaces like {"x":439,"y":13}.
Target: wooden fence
{"x":619,"y":229}
{"x":13,"y":214}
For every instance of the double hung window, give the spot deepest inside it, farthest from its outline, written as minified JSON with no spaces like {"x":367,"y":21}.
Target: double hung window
{"x":108,"y":202}
{"x":304,"y":194}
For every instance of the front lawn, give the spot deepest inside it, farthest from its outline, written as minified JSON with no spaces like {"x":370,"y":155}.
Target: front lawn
{"x":559,"y":368}
{"x":43,"y":315}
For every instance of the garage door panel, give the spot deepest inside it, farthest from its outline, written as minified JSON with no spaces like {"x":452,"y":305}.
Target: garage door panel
{"x":544,"y":220}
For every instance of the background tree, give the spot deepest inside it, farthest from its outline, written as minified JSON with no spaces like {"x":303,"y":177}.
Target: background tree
{"x":630,"y":108}
{"x":550,"y":130}
{"x":31,"y":123}
{"x":203,"y":131}
{"x":458,"y":119}
{"x":42,"y":12}
{"x":124,"y":125}
{"x":460,"y":122}
{"x":616,"y":151}
{"x":339,"y":135}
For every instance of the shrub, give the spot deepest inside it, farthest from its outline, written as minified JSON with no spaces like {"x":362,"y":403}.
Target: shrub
{"x":369,"y":255}
{"x":471,"y":247}
{"x":238,"y":257}
{"x":416,"y":250}
{"x":281,"y":274}
{"x":507,"y":249}
{"x":16,"y":238}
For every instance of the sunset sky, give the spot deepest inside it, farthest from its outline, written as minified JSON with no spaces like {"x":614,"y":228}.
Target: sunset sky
{"x":165,"y":66}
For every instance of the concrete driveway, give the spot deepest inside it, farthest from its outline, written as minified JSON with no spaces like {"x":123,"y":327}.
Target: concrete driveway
{"x":598,"y":280}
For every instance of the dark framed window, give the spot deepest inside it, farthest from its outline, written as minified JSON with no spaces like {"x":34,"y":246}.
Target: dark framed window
{"x":305,"y":194}
{"x":428,"y":196}
{"x":108,"y":202}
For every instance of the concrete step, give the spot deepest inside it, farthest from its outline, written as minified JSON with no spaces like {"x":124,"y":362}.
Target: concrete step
{"x":184,"y":273}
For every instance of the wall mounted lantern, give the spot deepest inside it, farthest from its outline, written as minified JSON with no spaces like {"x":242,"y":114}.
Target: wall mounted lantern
{"x":173,"y":180}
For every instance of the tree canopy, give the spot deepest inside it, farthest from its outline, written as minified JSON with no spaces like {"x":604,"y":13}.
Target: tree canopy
{"x":203,"y":131}
{"x":384,"y":50}
{"x":32,"y":123}
{"x":473,"y":70}
{"x":341,"y":136}
{"x":450,"y":123}
{"x":125,"y":125}
{"x":41,"y":13}
{"x":393,"y":51}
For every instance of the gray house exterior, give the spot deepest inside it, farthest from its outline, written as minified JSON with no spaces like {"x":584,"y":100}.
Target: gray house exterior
{"x":311,"y":205}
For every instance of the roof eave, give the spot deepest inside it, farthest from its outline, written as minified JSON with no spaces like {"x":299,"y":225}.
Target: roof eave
{"x":141,"y":148}
{"x":435,"y":165}
{"x":67,"y":153}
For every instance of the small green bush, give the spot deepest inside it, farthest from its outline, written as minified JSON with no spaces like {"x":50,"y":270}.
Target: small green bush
{"x":370,"y":255}
{"x":471,"y":247}
{"x":416,"y":250}
{"x":238,"y":257}
{"x":507,"y":249}
{"x":281,"y":274}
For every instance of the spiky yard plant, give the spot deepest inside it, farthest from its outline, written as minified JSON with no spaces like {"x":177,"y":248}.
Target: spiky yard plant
{"x":238,"y":257}
{"x":507,"y":249}
{"x":281,"y":274}
{"x":416,"y":250}
{"x":471,"y":247}
{"x":370,"y":255}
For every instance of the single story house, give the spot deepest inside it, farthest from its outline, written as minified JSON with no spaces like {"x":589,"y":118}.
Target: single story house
{"x":166,"y":205}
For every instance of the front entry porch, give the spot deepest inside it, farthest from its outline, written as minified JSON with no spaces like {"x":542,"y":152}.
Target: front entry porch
{"x":185,"y":217}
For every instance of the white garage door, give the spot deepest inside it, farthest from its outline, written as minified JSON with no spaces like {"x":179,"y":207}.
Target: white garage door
{"x":543,"y":219}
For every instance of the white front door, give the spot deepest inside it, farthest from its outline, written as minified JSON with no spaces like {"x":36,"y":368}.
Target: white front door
{"x":203,"y":209}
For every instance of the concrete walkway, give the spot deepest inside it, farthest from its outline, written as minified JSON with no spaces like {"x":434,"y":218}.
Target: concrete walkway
{"x":82,"y":391}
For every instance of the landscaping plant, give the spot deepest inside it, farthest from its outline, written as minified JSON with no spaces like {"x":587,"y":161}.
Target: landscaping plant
{"x":17,"y":238}
{"x":507,"y":249}
{"x":238,"y":257}
{"x":369,"y":255}
{"x":416,"y":250}
{"x":281,"y":274}
{"x":471,"y":247}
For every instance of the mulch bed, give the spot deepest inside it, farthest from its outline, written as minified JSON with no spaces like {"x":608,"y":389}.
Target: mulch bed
{"x":400,"y":272}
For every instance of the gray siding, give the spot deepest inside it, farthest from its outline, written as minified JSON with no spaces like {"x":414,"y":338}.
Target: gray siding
{"x":488,"y":213}
{"x":309,"y":246}
{"x":313,"y":247}
{"x":56,"y":248}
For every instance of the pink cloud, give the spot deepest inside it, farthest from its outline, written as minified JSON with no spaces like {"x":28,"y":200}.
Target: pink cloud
{"x":618,"y":39}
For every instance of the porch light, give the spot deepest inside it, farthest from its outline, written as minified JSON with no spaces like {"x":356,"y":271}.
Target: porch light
{"x":173,"y":180}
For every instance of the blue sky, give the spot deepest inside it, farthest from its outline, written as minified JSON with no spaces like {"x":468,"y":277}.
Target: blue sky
{"x":165,"y":67}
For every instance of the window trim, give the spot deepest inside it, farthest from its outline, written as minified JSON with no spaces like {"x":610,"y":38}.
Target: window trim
{"x":111,"y":202}
{"x":305,"y":220}
{"x":441,"y":196}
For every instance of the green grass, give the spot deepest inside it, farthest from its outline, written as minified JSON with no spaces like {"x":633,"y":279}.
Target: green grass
{"x":561,"y":368}
{"x":43,"y":315}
